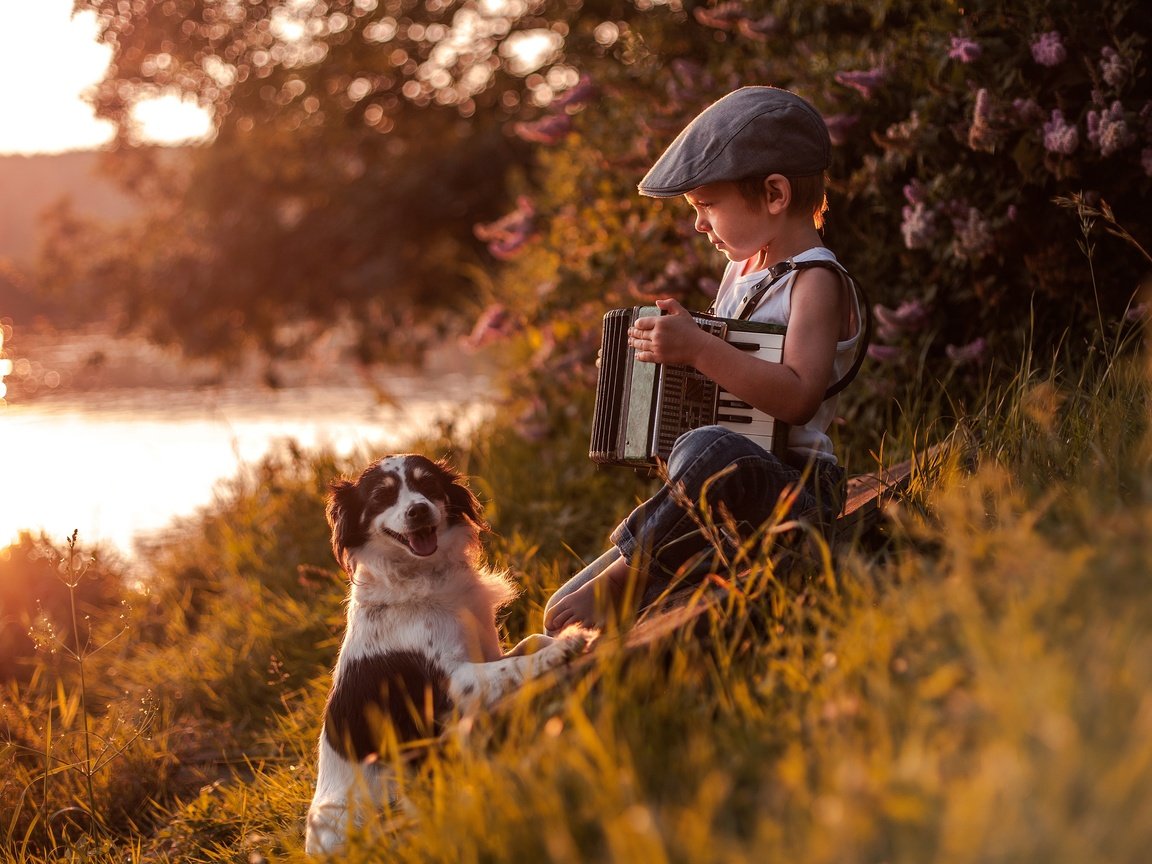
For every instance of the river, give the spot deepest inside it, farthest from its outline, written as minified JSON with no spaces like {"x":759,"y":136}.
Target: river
{"x":114,"y":437}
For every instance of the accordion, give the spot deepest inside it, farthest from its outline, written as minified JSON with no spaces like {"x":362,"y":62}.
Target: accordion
{"x":642,"y":408}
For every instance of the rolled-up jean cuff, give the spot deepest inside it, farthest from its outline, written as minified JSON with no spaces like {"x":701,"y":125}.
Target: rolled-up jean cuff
{"x":624,"y":540}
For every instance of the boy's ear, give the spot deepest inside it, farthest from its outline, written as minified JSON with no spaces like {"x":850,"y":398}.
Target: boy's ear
{"x":777,"y":193}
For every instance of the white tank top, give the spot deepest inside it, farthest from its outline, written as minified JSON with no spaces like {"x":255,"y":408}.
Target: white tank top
{"x":775,"y":307}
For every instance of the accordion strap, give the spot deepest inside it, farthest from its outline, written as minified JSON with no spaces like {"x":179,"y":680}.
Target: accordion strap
{"x":778,"y":271}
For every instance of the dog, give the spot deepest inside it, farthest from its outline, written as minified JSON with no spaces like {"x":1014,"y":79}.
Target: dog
{"x":421,"y":642}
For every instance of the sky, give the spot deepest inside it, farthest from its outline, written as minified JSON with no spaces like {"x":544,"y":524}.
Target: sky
{"x":47,"y":60}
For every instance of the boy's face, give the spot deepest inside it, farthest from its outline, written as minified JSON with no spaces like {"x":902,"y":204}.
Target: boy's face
{"x":736,"y":227}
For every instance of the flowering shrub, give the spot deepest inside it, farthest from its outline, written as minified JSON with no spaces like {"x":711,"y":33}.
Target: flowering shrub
{"x":954,"y":129}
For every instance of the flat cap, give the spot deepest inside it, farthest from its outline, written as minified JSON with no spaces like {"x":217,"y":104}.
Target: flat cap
{"x":751,"y":132}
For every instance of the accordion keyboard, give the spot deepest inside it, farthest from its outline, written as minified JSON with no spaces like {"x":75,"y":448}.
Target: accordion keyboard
{"x":737,"y":415}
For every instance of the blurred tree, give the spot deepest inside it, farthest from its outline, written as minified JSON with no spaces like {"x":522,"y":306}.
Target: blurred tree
{"x":359,"y":141}
{"x":356,"y":144}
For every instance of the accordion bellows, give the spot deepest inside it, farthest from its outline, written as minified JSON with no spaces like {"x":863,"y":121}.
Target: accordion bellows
{"x":642,"y":408}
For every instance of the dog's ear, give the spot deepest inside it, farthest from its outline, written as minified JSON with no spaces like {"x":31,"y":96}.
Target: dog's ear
{"x":462,"y":504}
{"x":345,"y":516}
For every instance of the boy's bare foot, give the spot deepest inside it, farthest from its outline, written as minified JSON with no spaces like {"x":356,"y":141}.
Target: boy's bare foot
{"x":593,"y":603}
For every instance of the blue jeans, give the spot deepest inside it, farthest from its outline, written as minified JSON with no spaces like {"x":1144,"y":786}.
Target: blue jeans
{"x":738,"y":483}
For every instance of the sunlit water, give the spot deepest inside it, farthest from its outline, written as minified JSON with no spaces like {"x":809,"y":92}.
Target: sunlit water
{"x":120,"y":463}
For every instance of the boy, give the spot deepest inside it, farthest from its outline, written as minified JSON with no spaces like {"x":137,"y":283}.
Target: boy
{"x":752,"y":168}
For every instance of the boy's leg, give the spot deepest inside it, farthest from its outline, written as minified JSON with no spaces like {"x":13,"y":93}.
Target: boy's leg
{"x":594,"y":602}
{"x":575,"y":584}
{"x":715,"y":468}
{"x":712,"y":464}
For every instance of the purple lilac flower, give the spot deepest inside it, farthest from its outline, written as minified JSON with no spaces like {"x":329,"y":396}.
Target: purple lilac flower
{"x":973,"y":236}
{"x":508,"y":235}
{"x":980,"y":134}
{"x":1059,"y":135}
{"x":493,"y":324}
{"x":722,"y":16}
{"x":863,"y":81}
{"x":1048,"y":49}
{"x":838,"y":126}
{"x":1146,"y":161}
{"x":973,"y":352}
{"x":964,"y":49}
{"x":915,"y":192}
{"x":548,"y":130}
{"x":583,"y":91}
{"x":908,"y":317}
{"x":918,"y":227}
{"x":1108,"y":130}
{"x":1028,"y":111}
{"x":885,"y":353}
{"x":1112,"y":66}
{"x":1137,"y":312}
{"x":758,"y":29}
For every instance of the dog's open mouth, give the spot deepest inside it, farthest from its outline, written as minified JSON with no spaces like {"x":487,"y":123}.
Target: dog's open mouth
{"x":421,"y":542}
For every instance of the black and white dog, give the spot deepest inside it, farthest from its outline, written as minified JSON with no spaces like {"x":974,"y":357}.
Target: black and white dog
{"x":421,"y":639}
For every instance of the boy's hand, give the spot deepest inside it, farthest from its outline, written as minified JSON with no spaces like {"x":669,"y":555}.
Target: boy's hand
{"x":669,"y":338}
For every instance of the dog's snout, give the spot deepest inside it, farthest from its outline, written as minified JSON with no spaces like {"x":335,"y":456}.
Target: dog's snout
{"x":420,"y":512}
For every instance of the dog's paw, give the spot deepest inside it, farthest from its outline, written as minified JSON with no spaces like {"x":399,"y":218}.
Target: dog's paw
{"x":325,"y":829}
{"x":575,"y":640}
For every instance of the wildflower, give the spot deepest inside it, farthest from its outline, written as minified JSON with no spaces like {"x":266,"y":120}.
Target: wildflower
{"x":974,"y":237}
{"x":980,"y":134}
{"x":1048,"y":49}
{"x":1060,"y":136}
{"x":547,"y":130}
{"x":918,"y":227}
{"x":1146,"y":161}
{"x":964,"y":49}
{"x":838,"y":126}
{"x":973,"y":352}
{"x":1108,"y":130}
{"x":864,"y":82}
{"x":1137,"y":312}
{"x":1112,"y":67}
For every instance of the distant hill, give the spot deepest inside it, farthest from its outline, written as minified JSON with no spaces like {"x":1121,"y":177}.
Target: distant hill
{"x":30,"y":184}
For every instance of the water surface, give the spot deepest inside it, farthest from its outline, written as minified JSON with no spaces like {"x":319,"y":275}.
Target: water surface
{"x":115,"y":439}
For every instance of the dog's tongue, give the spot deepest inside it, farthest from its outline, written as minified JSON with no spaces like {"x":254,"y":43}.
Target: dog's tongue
{"x":422,"y":542}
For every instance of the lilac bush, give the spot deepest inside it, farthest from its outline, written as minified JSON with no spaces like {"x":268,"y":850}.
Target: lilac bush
{"x":954,"y":130}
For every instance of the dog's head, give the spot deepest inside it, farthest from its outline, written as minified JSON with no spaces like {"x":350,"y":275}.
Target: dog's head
{"x":405,"y":506}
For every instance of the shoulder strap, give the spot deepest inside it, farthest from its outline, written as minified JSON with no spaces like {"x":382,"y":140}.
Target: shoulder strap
{"x":778,"y":271}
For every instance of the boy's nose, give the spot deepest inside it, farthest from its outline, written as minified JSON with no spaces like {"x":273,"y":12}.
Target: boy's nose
{"x":702,"y":225}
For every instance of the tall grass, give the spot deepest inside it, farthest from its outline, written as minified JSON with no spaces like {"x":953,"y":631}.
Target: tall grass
{"x":974,"y":689}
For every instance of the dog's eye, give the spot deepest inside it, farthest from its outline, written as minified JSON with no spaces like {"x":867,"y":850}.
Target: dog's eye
{"x":386,"y":492}
{"x":427,"y":483}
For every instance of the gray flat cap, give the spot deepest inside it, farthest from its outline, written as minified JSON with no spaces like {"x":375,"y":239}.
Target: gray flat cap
{"x":751,"y":132}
